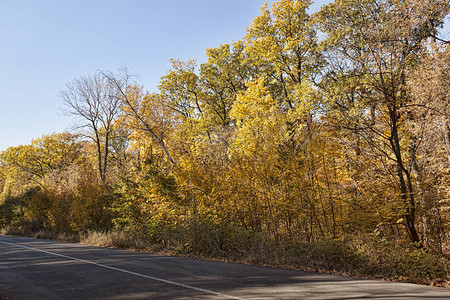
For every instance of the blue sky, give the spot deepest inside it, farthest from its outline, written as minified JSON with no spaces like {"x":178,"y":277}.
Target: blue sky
{"x":45,"y":44}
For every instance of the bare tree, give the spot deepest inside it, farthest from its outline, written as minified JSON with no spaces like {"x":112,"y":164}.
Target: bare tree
{"x":94,"y":101}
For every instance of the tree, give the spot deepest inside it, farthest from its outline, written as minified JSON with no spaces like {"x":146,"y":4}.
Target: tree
{"x":430,"y":89}
{"x":222,"y":77}
{"x":181,"y":87}
{"x":95,"y":101}
{"x":42,"y":156}
{"x":282,"y":44}
{"x":370,"y":46}
{"x":429,"y":84}
{"x":135,"y":104}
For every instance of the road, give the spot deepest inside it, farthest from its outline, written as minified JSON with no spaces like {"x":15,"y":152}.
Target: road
{"x":41,"y":269}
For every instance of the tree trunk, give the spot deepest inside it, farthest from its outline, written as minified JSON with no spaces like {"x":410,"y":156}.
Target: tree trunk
{"x":406,"y":187}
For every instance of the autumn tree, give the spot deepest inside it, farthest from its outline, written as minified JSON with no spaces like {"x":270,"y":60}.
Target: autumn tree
{"x":181,"y":87}
{"x":282,"y":43}
{"x":42,"y":156}
{"x":34,"y":173}
{"x":370,"y":46}
{"x":430,"y":114}
{"x":222,"y":77}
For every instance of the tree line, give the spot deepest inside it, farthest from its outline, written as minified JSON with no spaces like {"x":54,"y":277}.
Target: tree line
{"x":311,"y":127}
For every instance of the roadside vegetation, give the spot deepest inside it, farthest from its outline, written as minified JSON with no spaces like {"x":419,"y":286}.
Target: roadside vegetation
{"x":318,"y":142}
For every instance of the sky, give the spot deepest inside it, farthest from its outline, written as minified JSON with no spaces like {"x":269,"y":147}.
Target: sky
{"x":47,"y":43}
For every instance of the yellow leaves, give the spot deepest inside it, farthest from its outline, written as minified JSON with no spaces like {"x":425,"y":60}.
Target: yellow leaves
{"x":44,"y":155}
{"x":254,"y":102}
{"x":307,"y":98}
{"x":259,"y":121}
{"x":180,"y":86}
{"x":148,"y":119}
{"x":282,"y":44}
{"x":221,"y":78}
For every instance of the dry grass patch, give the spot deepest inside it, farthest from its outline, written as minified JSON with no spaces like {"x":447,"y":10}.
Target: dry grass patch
{"x":113,"y":239}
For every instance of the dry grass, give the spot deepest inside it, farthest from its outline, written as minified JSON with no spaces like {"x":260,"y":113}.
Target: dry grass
{"x":58,"y":236}
{"x":112,"y":238}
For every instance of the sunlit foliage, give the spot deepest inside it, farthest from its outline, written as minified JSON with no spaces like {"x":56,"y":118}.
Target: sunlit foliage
{"x":311,"y":128}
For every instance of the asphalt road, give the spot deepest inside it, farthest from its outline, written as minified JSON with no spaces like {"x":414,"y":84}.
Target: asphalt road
{"x":41,"y":269}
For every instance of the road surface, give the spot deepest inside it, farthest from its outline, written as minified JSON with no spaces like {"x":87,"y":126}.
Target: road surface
{"x":41,"y":269}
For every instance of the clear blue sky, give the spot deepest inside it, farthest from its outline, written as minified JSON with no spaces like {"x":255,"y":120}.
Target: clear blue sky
{"x":45,"y":44}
